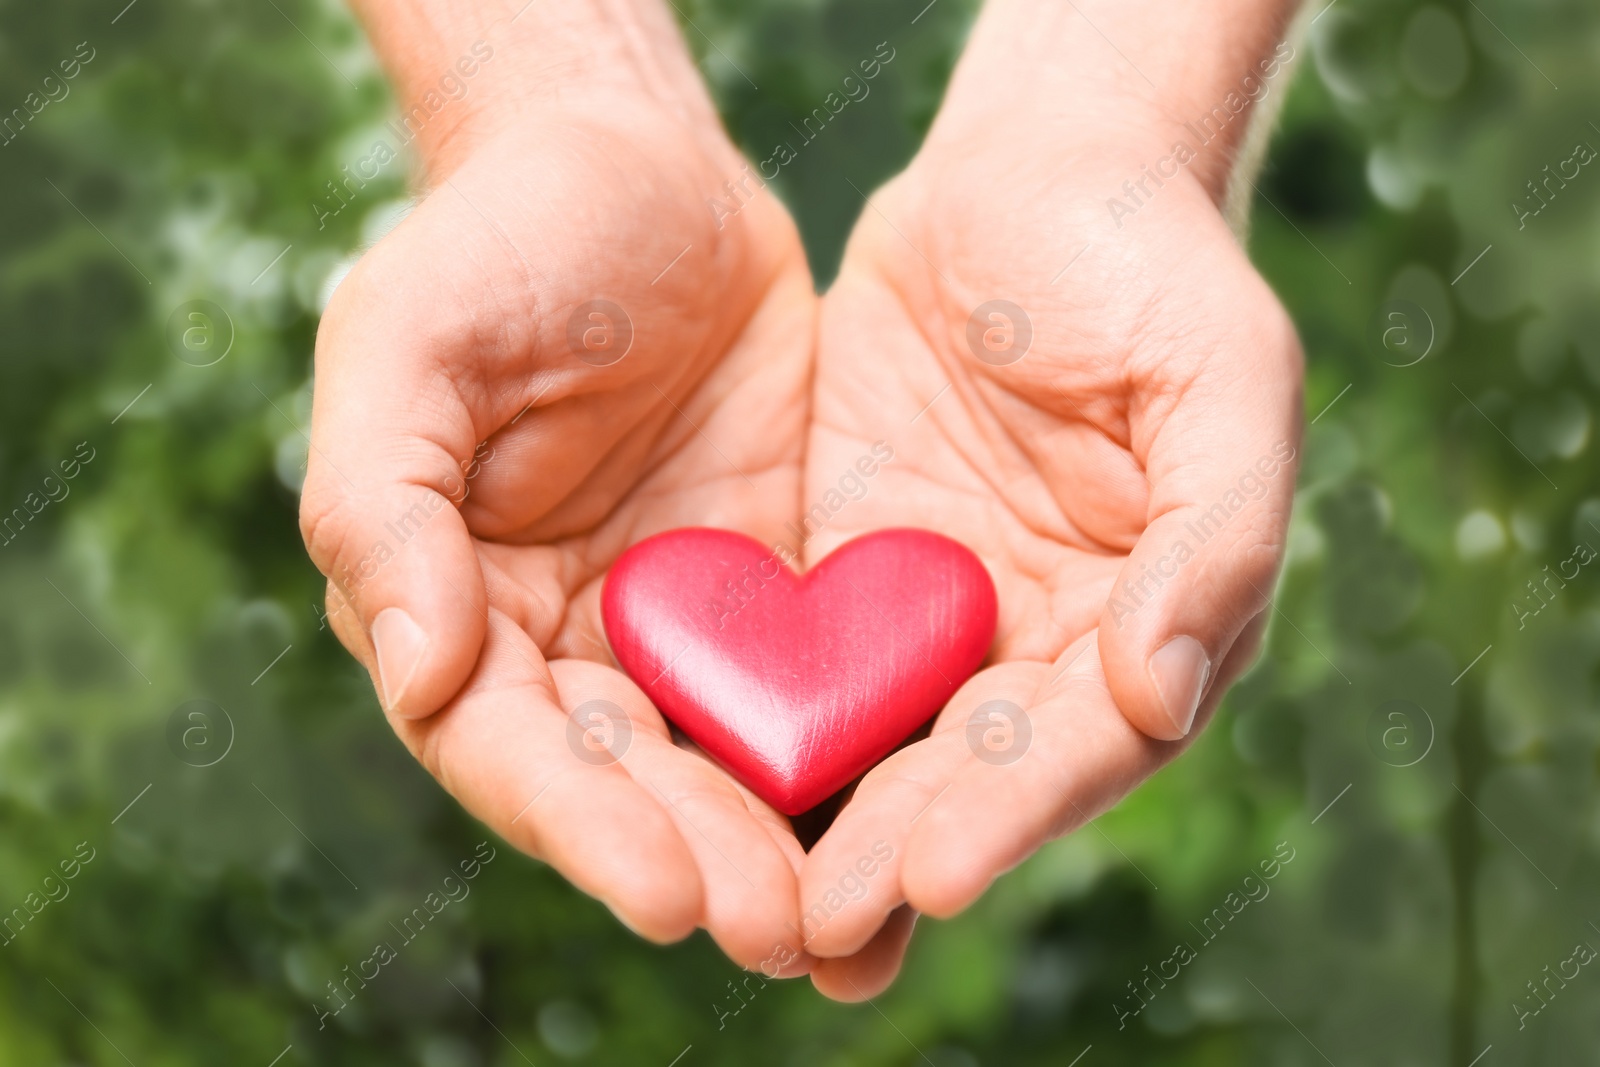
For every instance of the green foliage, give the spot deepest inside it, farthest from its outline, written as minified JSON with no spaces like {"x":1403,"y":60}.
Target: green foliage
{"x":218,"y":906}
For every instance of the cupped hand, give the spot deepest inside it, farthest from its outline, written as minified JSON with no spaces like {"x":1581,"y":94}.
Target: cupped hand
{"x":1109,"y":416}
{"x":560,"y":351}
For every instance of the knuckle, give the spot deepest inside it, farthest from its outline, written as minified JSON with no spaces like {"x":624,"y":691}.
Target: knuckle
{"x":1262,"y":537}
{"x":1259,"y":550}
{"x":325,"y":524}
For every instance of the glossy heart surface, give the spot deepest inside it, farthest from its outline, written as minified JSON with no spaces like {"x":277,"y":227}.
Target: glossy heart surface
{"x":798,"y":684}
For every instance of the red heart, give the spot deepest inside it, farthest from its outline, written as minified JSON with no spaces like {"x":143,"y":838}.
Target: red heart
{"x":795,"y":684}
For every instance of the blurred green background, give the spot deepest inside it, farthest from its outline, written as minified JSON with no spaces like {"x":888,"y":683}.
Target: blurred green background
{"x":1408,"y":683}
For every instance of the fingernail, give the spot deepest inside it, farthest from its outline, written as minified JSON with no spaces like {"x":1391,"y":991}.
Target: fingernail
{"x":400,"y":644}
{"x":1180,"y":669}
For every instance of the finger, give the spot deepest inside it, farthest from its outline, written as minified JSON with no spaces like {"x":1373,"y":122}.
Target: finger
{"x":505,"y":749}
{"x":872,"y":970}
{"x":380,"y":506}
{"x":851,"y":880}
{"x":1083,"y":756}
{"x":1221,"y":467}
{"x":748,"y":881}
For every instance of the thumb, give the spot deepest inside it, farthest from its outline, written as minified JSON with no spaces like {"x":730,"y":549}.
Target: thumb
{"x":380,"y":507}
{"x":1222,"y":473}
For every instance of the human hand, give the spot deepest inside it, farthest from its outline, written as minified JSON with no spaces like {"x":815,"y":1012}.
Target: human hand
{"x":481,"y":451}
{"x":1143,"y":374}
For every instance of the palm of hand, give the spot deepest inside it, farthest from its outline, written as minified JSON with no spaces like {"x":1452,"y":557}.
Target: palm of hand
{"x":515,"y":376}
{"x":1038,"y":438}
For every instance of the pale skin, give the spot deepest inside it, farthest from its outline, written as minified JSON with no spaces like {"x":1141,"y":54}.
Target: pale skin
{"x":579,"y":164}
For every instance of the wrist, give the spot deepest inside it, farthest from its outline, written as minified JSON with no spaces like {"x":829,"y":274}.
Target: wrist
{"x":464,"y":73}
{"x":1109,"y":72}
